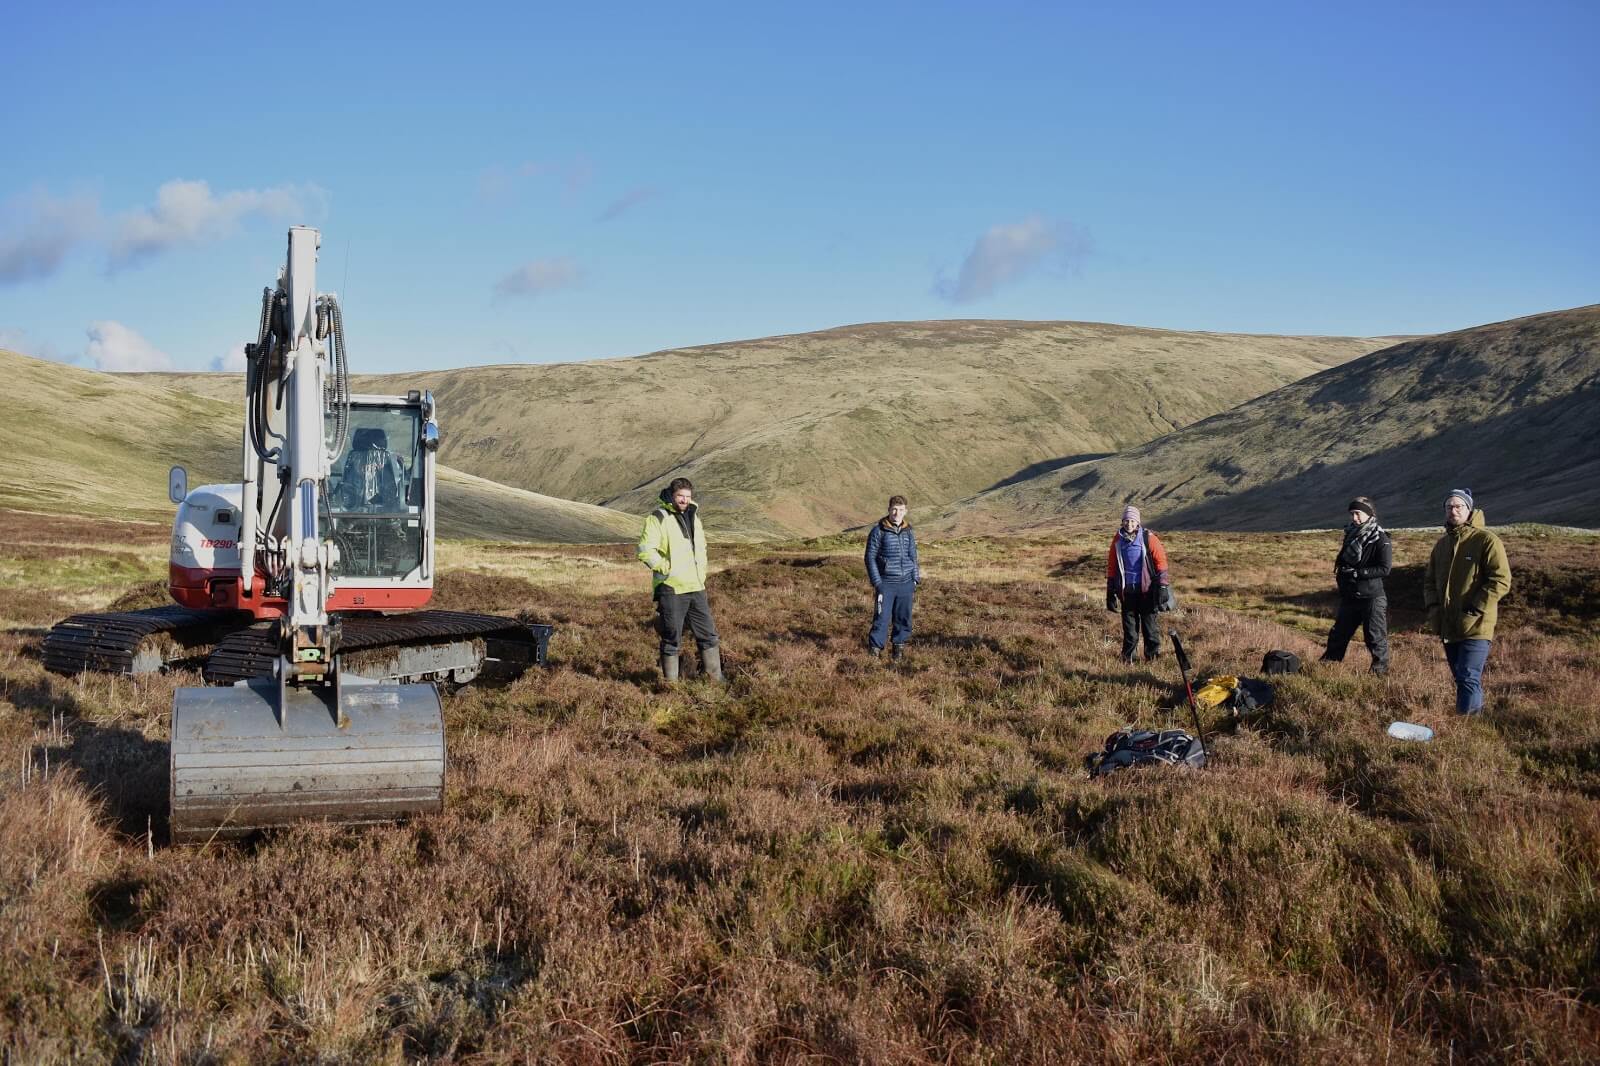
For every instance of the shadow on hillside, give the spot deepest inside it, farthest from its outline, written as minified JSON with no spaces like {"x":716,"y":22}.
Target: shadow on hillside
{"x":120,"y":767}
{"x":1509,"y":461}
{"x":800,"y":634}
{"x":1403,"y":587}
{"x":127,"y":771}
{"x":1402,"y":619}
{"x":1090,"y":563}
{"x":43,"y":700}
{"x":1046,"y":466}
{"x":616,"y":669}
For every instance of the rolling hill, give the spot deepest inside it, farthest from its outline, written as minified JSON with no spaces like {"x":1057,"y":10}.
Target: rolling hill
{"x":809,"y":433}
{"x":82,"y":442}
{"x":1509,"y":410}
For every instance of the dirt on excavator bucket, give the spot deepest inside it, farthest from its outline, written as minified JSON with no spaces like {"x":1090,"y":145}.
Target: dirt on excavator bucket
{"x":240,"y":762}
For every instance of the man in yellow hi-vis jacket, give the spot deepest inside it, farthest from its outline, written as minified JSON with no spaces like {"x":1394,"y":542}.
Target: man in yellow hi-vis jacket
{"x":673,"y":546}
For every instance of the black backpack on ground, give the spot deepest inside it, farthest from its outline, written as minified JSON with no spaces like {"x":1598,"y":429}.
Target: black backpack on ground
{"x":1251,"y":694}
{"x":1142,"y":747}
{"x":1280,"y":662}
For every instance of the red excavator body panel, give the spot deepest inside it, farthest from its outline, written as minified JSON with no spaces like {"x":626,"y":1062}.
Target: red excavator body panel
{"x":201,"y":589}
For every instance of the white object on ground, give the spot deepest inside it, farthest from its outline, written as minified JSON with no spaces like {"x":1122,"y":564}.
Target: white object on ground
{"x":1409,"y":731}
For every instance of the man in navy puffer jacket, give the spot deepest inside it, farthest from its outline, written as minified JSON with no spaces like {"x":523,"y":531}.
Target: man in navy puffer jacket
{"x":893,"y":570}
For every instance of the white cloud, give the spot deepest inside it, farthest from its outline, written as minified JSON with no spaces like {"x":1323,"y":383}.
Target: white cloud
{"x":113,"y":346}
{"x":232,"y":362}
{"x":1009,"y":252}
{"x":38,"y":230}
{"x":627,"y":202}
{"x":539,"y":276}
{"x":188,"y":212}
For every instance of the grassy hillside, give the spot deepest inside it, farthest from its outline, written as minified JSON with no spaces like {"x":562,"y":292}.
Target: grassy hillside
{"x":811,"y":433}
{"x":81,"y":442}
{"x":477,"y":509}
{"x":1509,"y":410}
{"x":835,"y":860}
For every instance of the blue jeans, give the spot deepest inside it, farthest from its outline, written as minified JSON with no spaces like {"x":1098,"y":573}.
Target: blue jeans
{"x":894,"y":603}
{"x":1466,"y":659}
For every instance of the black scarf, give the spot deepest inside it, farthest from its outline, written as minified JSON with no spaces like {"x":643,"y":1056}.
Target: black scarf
{"x":685,"y":519}
{"x":1356,"y":541}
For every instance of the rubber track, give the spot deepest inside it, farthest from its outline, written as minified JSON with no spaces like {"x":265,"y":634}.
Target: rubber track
{"x":251,"y":652}
{"x":107,"y":642}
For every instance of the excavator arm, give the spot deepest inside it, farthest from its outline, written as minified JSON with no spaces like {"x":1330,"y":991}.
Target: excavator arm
{"x":307,"y":742}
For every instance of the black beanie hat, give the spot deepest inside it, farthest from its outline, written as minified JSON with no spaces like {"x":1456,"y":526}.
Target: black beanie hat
{"x":1361,"y":503}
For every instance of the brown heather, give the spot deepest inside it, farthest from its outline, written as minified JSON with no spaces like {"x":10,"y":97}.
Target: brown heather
{"x":833,"y":859}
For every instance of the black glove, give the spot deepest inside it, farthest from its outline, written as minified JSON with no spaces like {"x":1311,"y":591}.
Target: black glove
{"x":1164,"y":600}
{"x":1111,"y":600}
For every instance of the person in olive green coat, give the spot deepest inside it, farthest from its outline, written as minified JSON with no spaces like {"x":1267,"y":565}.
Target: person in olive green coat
{"x":1461,"y":587}
{"x":673,"y":546}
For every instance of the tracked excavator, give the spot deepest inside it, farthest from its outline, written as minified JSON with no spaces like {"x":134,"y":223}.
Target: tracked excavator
{"x":303,"y":586}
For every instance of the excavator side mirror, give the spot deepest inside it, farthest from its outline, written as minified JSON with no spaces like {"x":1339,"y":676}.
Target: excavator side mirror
{"x":177,"y":484}
{"x":430,"y":436}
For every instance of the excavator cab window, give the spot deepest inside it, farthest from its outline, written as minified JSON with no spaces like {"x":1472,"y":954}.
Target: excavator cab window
{"x":375,"y":503}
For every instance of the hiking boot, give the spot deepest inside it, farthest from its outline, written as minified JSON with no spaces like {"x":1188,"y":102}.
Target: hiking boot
{"x":669,"y":668}
{"x":711,"y":663}
{"x":898,"y":652}
{"x":1380,"y":669}
{"x":876,"y":653}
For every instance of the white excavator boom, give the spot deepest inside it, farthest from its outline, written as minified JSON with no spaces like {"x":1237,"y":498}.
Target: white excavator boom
{"x":308,"y":743}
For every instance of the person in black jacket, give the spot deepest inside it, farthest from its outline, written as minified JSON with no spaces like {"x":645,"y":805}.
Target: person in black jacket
{"x":1364,"y":560}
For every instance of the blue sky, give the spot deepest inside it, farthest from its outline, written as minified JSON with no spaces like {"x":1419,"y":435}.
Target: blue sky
{"x":523,"y":182}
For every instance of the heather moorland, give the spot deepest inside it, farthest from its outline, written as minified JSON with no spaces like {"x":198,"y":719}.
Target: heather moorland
{"x":832,"y":859}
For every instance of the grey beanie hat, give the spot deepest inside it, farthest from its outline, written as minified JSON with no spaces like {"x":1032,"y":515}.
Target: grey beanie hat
{"x":1465,"y":494}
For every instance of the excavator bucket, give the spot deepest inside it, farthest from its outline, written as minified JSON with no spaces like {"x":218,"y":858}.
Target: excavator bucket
{"x":256,"y":755}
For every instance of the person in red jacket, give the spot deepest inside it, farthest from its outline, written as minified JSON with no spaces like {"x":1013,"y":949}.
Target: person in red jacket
{"x":1136,"y":577}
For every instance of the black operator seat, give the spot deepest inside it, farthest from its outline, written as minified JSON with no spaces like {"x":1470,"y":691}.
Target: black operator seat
{"x":373,"y":480}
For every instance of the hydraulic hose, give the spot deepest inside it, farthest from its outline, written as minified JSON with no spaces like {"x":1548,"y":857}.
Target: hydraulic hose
{"x":336,"y":394}
{"x":256,"y":380}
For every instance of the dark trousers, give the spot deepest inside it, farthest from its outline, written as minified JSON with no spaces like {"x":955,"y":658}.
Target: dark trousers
{"x":673,"y":609}
{"x":1372,"y":616}
{"x":1139,"y":616}
{"x":1467,"y":659}
{"x":893,"y":604}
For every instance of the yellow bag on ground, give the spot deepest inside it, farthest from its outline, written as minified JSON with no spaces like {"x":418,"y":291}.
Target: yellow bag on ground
{"x":1216,"y":691}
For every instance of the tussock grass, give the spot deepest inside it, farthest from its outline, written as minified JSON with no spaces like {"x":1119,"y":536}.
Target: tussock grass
{"x":835,"y":859}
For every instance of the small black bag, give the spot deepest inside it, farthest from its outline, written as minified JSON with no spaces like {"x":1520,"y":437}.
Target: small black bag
{"x":1250,"y":695}
{"x":1280,"y":662}
{"x":1143,"y":747}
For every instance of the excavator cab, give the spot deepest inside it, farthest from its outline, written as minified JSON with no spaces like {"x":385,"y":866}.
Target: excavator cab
{"x":380,"y":501}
